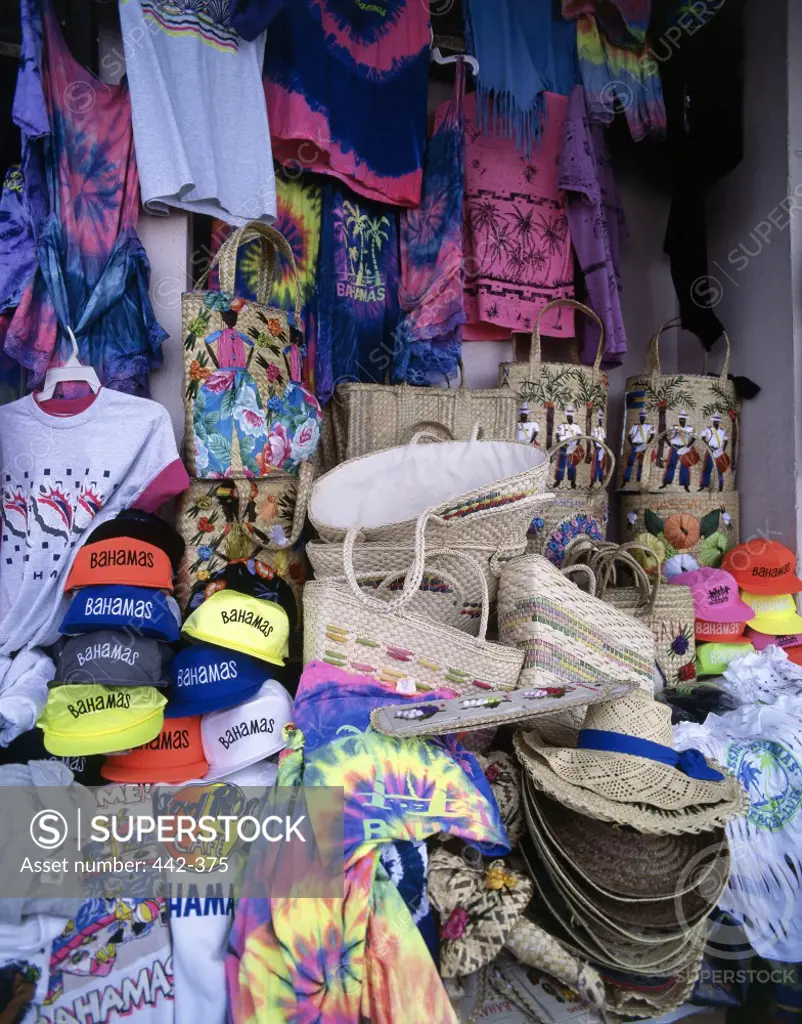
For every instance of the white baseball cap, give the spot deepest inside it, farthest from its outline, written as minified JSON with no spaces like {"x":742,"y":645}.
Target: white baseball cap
{"x":250,"y":732}
{"x":263,"y":773}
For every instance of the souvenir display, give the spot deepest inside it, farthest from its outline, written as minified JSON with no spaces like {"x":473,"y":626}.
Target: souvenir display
{"x":549,"y":776}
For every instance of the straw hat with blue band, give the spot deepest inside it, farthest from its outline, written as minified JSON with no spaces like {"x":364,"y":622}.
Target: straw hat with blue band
{"x":624,"y":769}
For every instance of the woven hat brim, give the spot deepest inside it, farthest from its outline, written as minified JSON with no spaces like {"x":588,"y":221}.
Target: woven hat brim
{"x":602,"y":855}
{"x":595,"y":796}
{"x":659,"y":918}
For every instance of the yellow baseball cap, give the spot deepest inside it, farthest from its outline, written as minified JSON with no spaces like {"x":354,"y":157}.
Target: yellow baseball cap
{"x":713,"y":658}
{"x":240,"y":622}
{"x":88,"y":718}
{"x":775,"y":614}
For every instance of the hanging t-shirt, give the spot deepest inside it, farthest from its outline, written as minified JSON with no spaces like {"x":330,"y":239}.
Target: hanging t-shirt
{"x":200,"y":920}
{"x":762,"y":746}
{"x":25,"y":963}
{"x":200,"y":121}
{"x":517,"y":243}
{"x":60,"y":475}
{"x":346,"y":87}
{"x":357,"y":291}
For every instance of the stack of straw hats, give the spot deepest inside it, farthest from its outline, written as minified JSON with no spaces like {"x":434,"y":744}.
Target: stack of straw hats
{"x":626,"y":847}
{"x":121,"y":619}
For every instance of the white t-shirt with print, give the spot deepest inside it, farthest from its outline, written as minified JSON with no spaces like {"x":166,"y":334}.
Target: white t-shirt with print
{"x":60,"y":477}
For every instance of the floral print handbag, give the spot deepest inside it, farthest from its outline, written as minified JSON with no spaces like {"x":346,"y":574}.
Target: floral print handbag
{"x":247,"y":412}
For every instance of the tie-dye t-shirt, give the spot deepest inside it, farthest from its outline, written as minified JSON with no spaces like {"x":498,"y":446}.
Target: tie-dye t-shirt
{"x":346,"y":87}
{"x":360,"y":958}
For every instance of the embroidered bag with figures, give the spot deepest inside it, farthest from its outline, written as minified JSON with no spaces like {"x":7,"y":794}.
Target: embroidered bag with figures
{"x":247,"y":412}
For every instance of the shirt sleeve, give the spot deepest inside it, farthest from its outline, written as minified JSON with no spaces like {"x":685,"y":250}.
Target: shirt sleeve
{"x":163,"y":475}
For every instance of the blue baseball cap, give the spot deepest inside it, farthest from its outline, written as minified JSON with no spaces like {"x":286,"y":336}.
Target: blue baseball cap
{"x":207,"y":678}
{"x":140,"y":610}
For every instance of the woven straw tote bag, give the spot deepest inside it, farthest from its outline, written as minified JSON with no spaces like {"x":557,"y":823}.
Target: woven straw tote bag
{"x":668,"y":611}
{"x":370,"y":417}
{"x":695,"y":433}
{"x":474,"y":493}
{"x":561,"y":400}
{"x":702,"y":526}
{"x":573,"y":512}
{"x":566,"y":634}
{"x":366,"y":634}
{"x":247,"y":412}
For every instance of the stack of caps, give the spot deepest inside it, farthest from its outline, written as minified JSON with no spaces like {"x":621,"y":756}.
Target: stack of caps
{"x":626,"y":843}
{"x":720,"y":619}
{"x":766,"y":572}
{"x":225,"y":710}
{"x":120,"y":621}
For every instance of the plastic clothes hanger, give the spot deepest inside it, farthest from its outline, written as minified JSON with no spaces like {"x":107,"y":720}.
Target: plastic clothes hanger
{"x":72,"y":370}
{"x":438,"y":58}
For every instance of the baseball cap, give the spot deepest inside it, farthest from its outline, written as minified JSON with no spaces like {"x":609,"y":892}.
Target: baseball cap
{"x":763,"y":567}
{"x":206,"y":678}
{"x":144,"y":526}
{"x":113,"y":658}
{"x":86,"y":718}
{"x":794,"y":654}
{"x":138,"y":609}
{"x":775,"y":614}
{"x":720,"y":632}
{"x":122,"y":560}
{"x":712,"y":659}
{"x":262,"y":773}
{"x":243,"y":735}
{"x":242,"y":623}
{"x":715,"y":596}
{"x":248,"y":576}
{"x":175,"y":755}
{"x":760,"y":641}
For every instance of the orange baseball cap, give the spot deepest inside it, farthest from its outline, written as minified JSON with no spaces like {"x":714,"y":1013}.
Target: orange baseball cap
{"x":720,"y":632}
{"x":121,"y":560}
{"x":763,"y":567}
{"x":176,"y":755}
{"x":794,"y":654}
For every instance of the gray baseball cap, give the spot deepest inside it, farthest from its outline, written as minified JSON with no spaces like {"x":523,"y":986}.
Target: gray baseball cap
{"x":113,"y":657}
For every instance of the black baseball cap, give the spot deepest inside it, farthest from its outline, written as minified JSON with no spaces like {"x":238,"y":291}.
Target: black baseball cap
{"x":143,"y":526}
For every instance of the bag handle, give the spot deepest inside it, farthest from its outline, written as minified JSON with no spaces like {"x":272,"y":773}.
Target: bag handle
{"x":535,"y":357}
{"x":583,"y":570}
{"x":433,"y":432}
{"x":653,"y":355}
{"x":609,"y":465}
{"x":647,"y":590}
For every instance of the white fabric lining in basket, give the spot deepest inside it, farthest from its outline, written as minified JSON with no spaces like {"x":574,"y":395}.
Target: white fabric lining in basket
{"x":398,"y":484}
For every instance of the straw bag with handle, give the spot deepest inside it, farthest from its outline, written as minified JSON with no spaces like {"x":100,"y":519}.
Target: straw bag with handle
{"x":367,"y":418}
{"x":667,"y":610}
{"x":381,"y":637}
{"x":558,"y":402}
{"x":694,"y":422}
{"x":247,"y":412}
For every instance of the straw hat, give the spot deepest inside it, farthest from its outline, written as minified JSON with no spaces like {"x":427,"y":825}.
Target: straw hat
{"x":633,"y":788}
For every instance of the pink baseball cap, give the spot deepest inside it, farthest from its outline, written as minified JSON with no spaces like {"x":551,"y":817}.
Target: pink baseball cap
{"x":715,"y":595}
{"x":760,"y":641}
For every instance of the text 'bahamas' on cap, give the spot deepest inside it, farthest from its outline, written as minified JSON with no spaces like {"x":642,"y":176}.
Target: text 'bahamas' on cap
{"x":248,"y":733}
{"x":719,"y":632}
{"x":775,"y":614}
{"x":760,"y":641}
{"x":715,"y":596}
{"x":242,"y":623}
{"x":113,"y":658}
{"x":207,"y":678}
{"x":712,"y":659}
{"x":145,"y":526}
{"x":763,"y":567}
{"x":175,"y":755}
{"x":138,"y":609}
{"x":86,"y":718}
{"x":121,"y":560}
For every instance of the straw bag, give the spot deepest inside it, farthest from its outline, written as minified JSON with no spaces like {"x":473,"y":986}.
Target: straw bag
{"x":368,"y":635}
{"x":559,"y":401}
{"x":566,"y":634}
{"x":370,"y":417}
{"x":694,"y":452}
{"x":703,"y":526}
{"x":472,"y":493}
{"x":223,"y":520}
{"x":247,"y":412}
{"x":574,"y":513}
{"x":668,"y":611}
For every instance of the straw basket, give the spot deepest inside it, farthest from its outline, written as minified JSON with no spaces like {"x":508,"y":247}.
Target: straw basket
{"x":546,"y":391}
{"x":472,"y":493}
{"x":566,"y":634}
{"x":573,"y":513}
{"x":367,"y":418}
{"x":697,"y":454}
{"x":365,"y":634}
